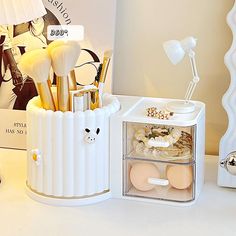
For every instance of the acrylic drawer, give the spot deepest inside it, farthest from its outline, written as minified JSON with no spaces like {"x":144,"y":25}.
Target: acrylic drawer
{"x":158,"y":180}
{"x":159,"y":142}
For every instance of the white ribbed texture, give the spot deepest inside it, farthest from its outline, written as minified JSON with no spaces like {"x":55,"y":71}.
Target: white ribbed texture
{"x":14,"y":12}
{"x":90,"y":155}
{"x":69,"y":167}
{"x":68,"y":154}
{"x":38,"y":144}
{"x":57,"y":153}
{"x":80,"y":160}
{"x":47,"y":147}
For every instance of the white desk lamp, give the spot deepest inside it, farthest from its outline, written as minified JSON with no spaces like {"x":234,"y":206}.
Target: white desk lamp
{"x":14,"y":12}
{"x":176,"y":50}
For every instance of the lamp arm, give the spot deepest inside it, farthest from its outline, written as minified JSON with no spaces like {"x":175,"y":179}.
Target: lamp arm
{"x":193,"y":83}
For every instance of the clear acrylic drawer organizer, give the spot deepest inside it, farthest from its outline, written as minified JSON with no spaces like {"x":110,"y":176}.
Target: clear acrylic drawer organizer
{"x":150,"y":166}
{"x":68,"y":154}
{"x":180,"y":155}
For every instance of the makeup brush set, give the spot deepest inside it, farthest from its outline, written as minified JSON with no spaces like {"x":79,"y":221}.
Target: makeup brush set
{"x":62,"y":57}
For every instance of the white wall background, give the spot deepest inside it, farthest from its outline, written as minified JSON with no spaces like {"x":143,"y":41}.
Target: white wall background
{"x":142,"y":68}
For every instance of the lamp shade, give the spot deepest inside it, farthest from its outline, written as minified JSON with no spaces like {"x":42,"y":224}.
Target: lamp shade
{"x":14,"y":12}
{"x":174,"y":51}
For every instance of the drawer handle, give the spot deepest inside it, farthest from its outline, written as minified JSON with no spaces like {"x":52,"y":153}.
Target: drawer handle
{"x":160,"y":182}
{"x":158,"y":144}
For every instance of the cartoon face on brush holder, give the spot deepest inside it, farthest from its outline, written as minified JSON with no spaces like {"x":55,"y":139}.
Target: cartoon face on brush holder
{"x":91,"y":136}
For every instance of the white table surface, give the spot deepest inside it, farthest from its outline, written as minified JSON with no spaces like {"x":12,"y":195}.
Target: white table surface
{"x":213,"y":214}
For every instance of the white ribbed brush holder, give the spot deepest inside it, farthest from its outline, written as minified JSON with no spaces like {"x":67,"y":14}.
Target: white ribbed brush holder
{"x":68,"y":154}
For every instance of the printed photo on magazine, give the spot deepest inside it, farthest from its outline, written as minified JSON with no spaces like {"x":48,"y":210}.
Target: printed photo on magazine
{"x":16,"y":88}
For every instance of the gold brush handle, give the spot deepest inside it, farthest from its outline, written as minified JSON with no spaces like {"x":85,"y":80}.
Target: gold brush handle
{"x":63,"y":95}
{"x":94,"y":100}
{"x":72,"y":81}
{"x":45,"y":93}
{"x":105,"y":66}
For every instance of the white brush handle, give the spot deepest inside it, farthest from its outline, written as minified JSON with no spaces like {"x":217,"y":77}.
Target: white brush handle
{"x":78,"y":104}
{"x":100,"y":87}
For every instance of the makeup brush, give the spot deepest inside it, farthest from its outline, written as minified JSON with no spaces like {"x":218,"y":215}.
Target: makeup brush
{"x":71,"y":75}
{"x":64,"y":58}
{"x":102,"y":78}
{"x":36,"y":64}
{"x":54,"y":44}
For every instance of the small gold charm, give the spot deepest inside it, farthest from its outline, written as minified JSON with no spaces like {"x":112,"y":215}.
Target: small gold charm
{"x":35,"y":157}
{"x":159,"y":114}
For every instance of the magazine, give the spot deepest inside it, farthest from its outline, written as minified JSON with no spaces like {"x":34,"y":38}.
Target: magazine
{"x":16,"y":88}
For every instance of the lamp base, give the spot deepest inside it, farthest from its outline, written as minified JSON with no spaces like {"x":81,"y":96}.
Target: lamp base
{"x":180,"y":107}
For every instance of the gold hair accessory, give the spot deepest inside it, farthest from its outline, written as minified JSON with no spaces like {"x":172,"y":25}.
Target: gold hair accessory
{"x":159,"y":114}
